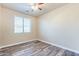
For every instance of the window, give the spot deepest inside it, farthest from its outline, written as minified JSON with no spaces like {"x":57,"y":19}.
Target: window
{"x":22,"y":25}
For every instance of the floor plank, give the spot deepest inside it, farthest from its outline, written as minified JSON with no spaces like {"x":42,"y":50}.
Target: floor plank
{"x":35,"y":48}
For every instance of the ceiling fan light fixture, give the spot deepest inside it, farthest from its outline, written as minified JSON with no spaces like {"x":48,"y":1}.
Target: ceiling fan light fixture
{"x":34,"y":7}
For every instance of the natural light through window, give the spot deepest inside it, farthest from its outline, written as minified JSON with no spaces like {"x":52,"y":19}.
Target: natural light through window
{"x":22,"y":25}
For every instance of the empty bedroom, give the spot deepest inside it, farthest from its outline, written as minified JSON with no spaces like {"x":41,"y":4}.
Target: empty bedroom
{"x":39,"y":29}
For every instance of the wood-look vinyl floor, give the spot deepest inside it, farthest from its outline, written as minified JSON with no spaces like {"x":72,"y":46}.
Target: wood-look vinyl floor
{"x":35,"y":48}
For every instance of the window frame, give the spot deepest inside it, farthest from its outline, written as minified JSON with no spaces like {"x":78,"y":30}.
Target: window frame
{"x":23,"y":31}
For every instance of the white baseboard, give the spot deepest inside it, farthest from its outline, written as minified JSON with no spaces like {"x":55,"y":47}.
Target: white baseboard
{"x":60,"y":46}
{"x":16,"y":43}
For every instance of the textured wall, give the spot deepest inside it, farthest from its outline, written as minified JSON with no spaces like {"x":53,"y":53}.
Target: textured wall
{"x":61,"y":26}
{"x":9,"y":37}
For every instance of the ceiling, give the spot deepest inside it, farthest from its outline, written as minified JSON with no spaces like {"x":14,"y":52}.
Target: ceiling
{"x":24,"y":7}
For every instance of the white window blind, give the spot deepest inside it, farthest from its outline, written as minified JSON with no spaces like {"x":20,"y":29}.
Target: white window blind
{"x":22,"y":25}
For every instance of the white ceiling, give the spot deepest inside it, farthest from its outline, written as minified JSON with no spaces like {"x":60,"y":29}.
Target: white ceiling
{"x":23,"y":7}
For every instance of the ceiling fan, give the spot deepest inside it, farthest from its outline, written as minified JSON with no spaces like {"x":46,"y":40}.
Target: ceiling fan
{"x":40,"y":5}
{"x":37,"y":6}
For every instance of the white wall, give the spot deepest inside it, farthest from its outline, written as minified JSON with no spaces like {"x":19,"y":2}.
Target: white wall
{"x":0,"y":23}
{"x":1,"y":38}
{"x":9,"y":37}
{"x":61,"y":26}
